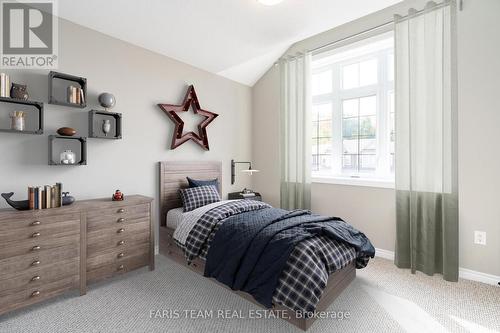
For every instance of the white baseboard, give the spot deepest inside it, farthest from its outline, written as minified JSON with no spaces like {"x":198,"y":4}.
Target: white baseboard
{"x":386,"y":254}
{"x":463,"y":273}
{"x":469,"y":274}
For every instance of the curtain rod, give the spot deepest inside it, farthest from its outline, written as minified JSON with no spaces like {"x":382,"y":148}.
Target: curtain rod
{"x":380,"y":26}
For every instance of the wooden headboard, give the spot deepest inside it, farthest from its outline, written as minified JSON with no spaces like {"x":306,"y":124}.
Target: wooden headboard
{"x":173,"y":177}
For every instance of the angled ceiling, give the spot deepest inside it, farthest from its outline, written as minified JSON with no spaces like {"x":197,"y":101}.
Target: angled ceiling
{"x":237,"y":39}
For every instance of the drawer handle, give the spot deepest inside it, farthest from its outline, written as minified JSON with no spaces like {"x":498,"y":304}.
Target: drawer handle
{"x":36,"y":223}
{"x":120,"y":255}
{"x":121,"y":268}
{"x":121,"y":242}
{"x":35,"y":248}
{"x":120,"y":230}
{"x":121,"y":210}
{"x":35,"y":234}
{"x":35,"y":293}
{"x":120,"y":220}
{"x":35,"y":278}
{"x":35,"y":263}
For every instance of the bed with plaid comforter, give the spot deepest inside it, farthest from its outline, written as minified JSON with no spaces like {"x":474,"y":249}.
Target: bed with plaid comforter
{"x":304,"y":274}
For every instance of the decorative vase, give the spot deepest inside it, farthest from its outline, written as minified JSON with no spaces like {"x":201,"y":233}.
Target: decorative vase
{"x":68,"y":157}
{"x":106,"y":126}
{"x":17,"y":120}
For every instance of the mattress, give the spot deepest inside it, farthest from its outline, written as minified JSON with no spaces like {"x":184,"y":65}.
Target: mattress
{"x":175,"y":217}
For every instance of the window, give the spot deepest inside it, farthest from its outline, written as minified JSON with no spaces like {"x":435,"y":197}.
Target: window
{"x":353,"y":111}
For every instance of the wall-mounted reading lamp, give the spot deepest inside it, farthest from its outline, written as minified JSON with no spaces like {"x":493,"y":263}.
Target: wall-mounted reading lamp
{"x":233,"y":169}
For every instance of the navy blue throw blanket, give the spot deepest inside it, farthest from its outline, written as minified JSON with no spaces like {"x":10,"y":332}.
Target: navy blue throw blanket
{"x":250,"y":249}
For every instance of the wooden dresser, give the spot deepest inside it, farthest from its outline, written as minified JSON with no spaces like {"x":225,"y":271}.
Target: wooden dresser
{"x":44,"y":253}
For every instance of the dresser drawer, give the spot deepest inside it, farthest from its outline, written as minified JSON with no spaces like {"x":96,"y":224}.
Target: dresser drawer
{"x":27,"y":296}
{"x":116,"y":222}
{"x":118,"y":231}
{"x":116,"y":255}
{"x":33,"y":260}
{"x":35,"y":245}
{"x":117,"y":241}
{"x":40,"y":232}
{"x":29,"y":219}
{"x":39,"y":276}
{"x":118,"y":268}
{"x":97,"y":219}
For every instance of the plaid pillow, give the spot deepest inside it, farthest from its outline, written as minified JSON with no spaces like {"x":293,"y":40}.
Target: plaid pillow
{"x":198,"y":182}
{"x":195,"y":197}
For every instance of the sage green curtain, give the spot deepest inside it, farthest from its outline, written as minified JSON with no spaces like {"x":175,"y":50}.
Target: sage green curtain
{"x":426,"y":142}
{"x":295,"y":136}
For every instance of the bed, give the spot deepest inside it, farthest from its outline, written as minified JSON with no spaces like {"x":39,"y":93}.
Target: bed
{"x":172,"y":178}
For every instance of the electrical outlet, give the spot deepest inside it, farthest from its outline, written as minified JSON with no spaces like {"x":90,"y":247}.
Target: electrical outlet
{"x":480,"y":237}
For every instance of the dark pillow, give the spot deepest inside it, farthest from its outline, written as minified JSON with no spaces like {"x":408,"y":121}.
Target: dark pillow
{"x":198,"y":182}
{"x":194,"y":197}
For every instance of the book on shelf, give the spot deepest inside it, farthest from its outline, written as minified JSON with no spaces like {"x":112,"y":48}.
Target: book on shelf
{"x":75,"y":95}
{"x":52,"y":196}
{"x":31,"y":197}
{"x":78,"y":96}
{"x":47,"y":196}
{"x":58,"y":194}
{"x":69,"y":94}
{"x":43,"y":197}
{"x":4,"y":85}
{"x":40,"y":197}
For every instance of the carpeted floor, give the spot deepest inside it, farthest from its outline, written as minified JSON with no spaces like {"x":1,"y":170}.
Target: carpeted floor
{"x":381,"y":299}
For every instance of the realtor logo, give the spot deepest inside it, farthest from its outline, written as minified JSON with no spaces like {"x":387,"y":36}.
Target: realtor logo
{"x":29,"y":34}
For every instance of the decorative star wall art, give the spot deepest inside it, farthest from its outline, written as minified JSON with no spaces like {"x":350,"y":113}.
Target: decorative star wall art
{"x":179,"y":138}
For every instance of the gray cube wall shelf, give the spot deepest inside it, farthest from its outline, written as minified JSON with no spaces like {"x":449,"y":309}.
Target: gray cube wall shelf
{"x":95,"y":126}
{"x":83,"y":149}
{"x":81,"y":81}
{"x":38,"y":129}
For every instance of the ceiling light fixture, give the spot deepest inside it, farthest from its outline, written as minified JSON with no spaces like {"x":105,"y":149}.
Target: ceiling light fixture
{"x":269,"y":2}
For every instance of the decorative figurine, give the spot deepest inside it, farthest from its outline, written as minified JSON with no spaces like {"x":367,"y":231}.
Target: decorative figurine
{"x":66,"y":131}
{"x":19,"y":205}
{"x":19,"y":91}
{"x":118,"y":196}
{"x":67,"y":157}
{"x":106,"y":126}
{"x":67,"y":199}
{"x":107,"y":100}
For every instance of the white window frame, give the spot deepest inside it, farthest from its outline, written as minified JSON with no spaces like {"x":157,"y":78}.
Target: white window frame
{"x":384,"y":178}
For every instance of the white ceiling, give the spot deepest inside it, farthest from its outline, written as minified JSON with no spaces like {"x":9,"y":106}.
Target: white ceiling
{"x":237,"y":39}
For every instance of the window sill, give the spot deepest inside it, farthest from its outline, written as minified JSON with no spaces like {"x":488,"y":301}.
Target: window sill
{"x":380,"y":183}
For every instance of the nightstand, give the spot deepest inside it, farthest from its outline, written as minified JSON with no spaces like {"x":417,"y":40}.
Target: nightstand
{"x":237,"y":195}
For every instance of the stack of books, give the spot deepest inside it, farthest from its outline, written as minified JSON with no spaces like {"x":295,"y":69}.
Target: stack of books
{"x":75,"y":95}
{"x":4,"y":85}
{"x":43,"y":197}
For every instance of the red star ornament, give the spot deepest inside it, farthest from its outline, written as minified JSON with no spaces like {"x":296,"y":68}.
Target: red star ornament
{"x":179,"y":138}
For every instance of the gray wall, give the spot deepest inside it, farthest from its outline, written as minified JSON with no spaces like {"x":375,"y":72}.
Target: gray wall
{"x":373,"y":209}
{"x":139,"y":79}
